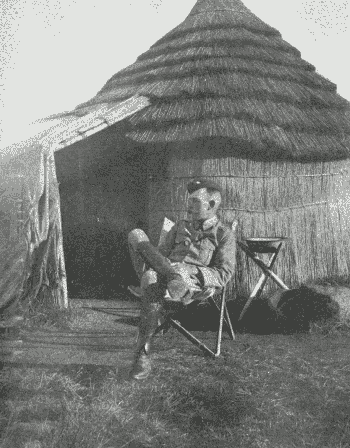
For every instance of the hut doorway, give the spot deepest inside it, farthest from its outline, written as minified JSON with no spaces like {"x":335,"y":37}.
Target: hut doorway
{"x":103,"y":191}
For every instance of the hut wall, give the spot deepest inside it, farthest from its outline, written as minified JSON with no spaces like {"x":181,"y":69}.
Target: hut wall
{"x":103,"y":196}
{"x":306,"y":202}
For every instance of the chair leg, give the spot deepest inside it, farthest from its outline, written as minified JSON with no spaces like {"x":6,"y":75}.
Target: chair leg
{"x":162,"y":328}
{"x":221,"y":322}
{"x":227,"y":319}
{"x":192,"y":338}
{"x":229,"y":324}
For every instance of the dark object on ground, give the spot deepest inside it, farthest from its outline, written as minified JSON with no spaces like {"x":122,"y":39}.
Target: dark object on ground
{"x":197,"y":316}
{"x":260,"y":317}
{"x":298,"y":308}
{"x":285,"y":312}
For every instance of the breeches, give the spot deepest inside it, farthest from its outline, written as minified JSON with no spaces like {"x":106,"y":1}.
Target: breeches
{"x":154,"y":280}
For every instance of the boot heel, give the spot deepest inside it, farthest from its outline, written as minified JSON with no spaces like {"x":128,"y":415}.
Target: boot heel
{"x":142,"y":365}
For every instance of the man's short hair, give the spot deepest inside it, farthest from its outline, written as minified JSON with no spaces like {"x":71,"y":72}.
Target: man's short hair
{"x":209,"y":185}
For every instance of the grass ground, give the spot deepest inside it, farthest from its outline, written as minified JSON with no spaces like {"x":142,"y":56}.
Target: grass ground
{"x":265,"y":391}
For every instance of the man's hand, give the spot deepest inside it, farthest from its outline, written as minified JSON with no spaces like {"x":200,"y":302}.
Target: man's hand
{"x":188,"y":273}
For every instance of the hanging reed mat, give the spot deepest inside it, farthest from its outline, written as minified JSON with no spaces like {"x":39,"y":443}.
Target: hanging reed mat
{"x":305,"y":202}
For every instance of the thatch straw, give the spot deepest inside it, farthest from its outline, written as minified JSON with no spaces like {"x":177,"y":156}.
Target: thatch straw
{"x":237,"y":36}
{"x":233,"y":77}
{"x":220,"y":12}
{"x":220,"y":66}
{"x":206,"y":50}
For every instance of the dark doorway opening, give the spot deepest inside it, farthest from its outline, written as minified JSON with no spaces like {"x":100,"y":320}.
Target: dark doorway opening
{"x":103,"y":191}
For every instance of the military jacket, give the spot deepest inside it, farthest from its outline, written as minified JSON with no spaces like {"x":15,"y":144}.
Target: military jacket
{"x":211,"y":249}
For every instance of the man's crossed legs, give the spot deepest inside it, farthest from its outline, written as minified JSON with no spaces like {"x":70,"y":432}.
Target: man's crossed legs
{"x":163,"y":281}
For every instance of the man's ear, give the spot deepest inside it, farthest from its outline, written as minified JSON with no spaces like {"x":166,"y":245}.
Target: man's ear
{"x":215,"y":201}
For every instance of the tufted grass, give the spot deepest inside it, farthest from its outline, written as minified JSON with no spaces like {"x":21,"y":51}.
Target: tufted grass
{"x":265,"y":391}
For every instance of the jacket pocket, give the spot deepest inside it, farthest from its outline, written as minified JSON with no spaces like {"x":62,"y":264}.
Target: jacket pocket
{"x":206,"y":251}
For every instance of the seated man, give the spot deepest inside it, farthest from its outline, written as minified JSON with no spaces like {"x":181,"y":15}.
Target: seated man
{"x":198,"y":255}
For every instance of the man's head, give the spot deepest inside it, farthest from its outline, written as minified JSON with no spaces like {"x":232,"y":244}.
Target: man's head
{"x":204,"y":199}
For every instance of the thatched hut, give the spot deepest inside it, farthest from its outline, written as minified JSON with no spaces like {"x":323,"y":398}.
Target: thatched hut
{"x":231,"y":100}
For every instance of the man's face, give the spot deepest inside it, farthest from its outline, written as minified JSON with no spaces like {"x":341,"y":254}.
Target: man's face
{"x":198,"y":205}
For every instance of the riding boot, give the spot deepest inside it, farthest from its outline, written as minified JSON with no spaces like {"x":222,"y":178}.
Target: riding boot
{"x":141,"y":367}
{"x":176,"y":286}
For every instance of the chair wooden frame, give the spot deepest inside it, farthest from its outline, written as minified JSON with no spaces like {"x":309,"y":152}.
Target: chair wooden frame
{"x":173,"y":321}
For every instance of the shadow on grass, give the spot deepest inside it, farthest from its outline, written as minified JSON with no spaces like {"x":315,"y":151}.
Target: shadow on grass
{"x":91,"y":377}
{"x":215,"y":405}
{"x":333,"y":415}
{"x":125,"y":316}
{"x":13,"y":421}
{"x":336,"y":422}
{"x":130,"y":320}
{"x":205,"y":404}
{"x":4,"y":411}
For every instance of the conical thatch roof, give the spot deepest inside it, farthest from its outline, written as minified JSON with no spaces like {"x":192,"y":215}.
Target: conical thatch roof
{"x":225,"y":73}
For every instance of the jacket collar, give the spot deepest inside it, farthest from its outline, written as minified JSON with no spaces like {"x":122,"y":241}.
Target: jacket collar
{"x":209,"y":223}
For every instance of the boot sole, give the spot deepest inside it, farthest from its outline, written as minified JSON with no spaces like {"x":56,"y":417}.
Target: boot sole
{"x":140,"y":376}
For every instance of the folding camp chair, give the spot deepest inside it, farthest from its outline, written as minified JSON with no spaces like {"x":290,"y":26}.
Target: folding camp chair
{"x":218,"y":300}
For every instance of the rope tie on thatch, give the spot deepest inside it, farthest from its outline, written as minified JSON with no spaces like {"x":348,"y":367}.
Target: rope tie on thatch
{"x":274,"y":210}
{"x":233,"y":176}
{"x":211,"y":11}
